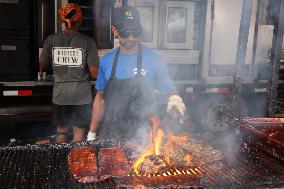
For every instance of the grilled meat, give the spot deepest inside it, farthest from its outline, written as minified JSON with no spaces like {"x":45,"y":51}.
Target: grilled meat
{"x":201,"y":151}
{"x":83,"y":163}
{"x":113,"y":161}
{"x":187,"y":151}
{"x":178,"y":156}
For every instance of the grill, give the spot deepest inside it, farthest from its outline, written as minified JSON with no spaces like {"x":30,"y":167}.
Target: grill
{"x":266,"y":134}
{"x":46,"y":166}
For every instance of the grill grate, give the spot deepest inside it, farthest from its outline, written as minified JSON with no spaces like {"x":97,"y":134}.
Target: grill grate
{"x":46,"y":166}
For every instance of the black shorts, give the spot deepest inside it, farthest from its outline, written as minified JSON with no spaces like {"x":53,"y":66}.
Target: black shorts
{"x":72,"y":115}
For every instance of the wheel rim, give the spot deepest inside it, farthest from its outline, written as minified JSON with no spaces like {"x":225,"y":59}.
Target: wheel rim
{"x":216,"y":121}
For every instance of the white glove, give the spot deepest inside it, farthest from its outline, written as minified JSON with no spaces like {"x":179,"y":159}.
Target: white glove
{"x":91,"y":136}
{"x":175,"y":102}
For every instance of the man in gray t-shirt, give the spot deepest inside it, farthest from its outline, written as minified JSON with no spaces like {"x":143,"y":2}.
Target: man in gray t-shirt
{"x":74,"y":60}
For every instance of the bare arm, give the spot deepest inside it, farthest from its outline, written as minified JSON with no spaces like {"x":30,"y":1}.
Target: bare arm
{"x":45,"y":57}
{"x":92,"y":58}
{"x":98,"y":109}
{"x":42,"y":68}
{"x":94,"y":71}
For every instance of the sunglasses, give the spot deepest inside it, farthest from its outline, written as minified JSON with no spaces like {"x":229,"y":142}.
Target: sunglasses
{"x":126,"y":34}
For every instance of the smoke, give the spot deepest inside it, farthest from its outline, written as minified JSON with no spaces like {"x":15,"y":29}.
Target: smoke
{"x":141,"y":140}
{"x":230,"y":146}
{"x":207,"y":55}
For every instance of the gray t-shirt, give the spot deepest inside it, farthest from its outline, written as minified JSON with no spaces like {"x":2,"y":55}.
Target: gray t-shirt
{"x":71,"y":55}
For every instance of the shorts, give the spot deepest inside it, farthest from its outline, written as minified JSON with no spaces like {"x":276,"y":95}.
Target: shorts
{"x":72,"y":115}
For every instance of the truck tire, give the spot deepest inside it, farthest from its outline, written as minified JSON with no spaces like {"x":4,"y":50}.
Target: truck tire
{"x":212,"y":125}
{"x":213,"y":120}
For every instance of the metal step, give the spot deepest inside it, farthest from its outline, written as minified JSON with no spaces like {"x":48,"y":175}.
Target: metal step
{"x":24,"y":110}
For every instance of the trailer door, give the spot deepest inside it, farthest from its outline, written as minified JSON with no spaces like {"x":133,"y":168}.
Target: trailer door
{"x":175,"y":30}
{"x":221,"y":38}
{"x":18,"y":41}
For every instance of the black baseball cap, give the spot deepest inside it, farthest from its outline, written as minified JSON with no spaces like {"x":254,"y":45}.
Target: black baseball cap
{"x":126,"y":19}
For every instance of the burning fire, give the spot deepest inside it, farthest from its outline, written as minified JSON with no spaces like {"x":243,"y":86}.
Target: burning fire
{"x":157,"y":141}
{"x":188,"y":158}
{"x":141,"y":159}
{"x":154,"y":148}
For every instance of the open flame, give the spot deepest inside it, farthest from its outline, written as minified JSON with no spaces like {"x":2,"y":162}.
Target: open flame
{"x":140,"y":160}
{"x":158,"y":141}
{"x":154,"y":148}
{"x":188,"y":158}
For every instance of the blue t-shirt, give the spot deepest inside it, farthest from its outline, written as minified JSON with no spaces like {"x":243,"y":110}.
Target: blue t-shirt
{"x":153,"y":69}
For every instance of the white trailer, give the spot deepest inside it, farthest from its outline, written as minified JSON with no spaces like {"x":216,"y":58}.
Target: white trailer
{"x":197,"y":38}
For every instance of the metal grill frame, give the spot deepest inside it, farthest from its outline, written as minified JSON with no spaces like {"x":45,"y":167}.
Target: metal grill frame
{"x":46,"y":166}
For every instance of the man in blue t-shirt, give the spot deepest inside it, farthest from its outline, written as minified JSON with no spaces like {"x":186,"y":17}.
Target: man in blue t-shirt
{"x":127,"y":79}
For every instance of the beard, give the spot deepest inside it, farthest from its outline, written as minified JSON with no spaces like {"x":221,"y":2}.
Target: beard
{"x":128,"y":44}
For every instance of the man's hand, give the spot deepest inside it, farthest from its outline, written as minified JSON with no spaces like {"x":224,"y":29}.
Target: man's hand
{"x":176,"y":106}
{"x":91,"y":136}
